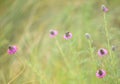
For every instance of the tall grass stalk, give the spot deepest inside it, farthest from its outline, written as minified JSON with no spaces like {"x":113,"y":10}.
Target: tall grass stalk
{"x":107,"y":34}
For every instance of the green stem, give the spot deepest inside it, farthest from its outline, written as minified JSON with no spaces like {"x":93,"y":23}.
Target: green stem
{"x":91,"y":49}
{"x":108,"y":44}
{"x":107,"y":35}
{"x":61,"y":51}
{"x":106,"y":31}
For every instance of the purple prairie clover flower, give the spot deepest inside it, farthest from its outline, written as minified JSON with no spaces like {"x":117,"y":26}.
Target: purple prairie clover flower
{"x":53,"y":33}
{"x":104,"y":8}
{"x":102,"y":52}
{"x":12,"y":49}
{"x":101,"y":73}
{"x":67,"y":35}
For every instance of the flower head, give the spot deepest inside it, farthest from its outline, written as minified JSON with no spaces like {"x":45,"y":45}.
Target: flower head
{"x":102,"y":52}
{"x":67,"y":35}
{"x":53,"y":33}
{"x":113,"y":48}
{"x":104,"y":8}
{"x":87,"y":35}
{"x":12,"y":49}
{"x":101,"y":73}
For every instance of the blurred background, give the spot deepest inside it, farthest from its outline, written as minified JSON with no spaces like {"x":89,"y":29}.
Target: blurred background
{"x":26,"y":24}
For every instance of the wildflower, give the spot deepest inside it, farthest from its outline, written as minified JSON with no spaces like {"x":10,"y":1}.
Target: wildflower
{"x":101,"y":73}
{"x":67,"y":35}
{"x":87,"y":35}
{"x":104,"y":8}
{"x":113,"y":48}
{"x":53,"y":33}
{"x":12,"y":49}
{"x":102,"y":52}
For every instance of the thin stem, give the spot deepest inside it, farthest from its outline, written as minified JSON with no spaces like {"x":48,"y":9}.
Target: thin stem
{"x":107,"y":35}
{"x":106,"y":32}
{"x":108,"y":42}
{"x":91,"y":49}
{"x":90,"y":42}
{"x":63,"y":55}
{"x":18,"y":73}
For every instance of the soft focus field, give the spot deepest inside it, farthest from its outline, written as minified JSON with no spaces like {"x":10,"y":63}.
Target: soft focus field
{"x":44,"y":60}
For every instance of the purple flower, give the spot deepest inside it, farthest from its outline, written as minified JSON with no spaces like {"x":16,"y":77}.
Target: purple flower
{"x":53,"y":33}
{"x":67,"y":35}
{"x":12,"y":49}
{"x":101,"y":73}
{"x":102,"y":52}
{"x":104,"y":8}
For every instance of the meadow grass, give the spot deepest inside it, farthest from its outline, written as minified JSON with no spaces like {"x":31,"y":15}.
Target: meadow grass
{"x":44,"y":60}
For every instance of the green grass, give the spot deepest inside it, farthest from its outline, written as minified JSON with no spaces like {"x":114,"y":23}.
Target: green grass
{"x":44,"y":60}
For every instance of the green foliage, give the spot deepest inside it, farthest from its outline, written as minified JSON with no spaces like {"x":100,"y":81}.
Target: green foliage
{"x":44,"y":60}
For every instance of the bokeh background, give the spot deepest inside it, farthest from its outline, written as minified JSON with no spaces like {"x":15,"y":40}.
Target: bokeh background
{"x":26,"y":23}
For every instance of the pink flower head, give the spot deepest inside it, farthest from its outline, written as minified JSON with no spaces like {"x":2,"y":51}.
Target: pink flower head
{"x":101,"y":73}
{"x":53,"y":33}
{"x":12,"y":49}
{"x":67,"y":35}
{"x":104,"y":8}
{"x":102,"y":52}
